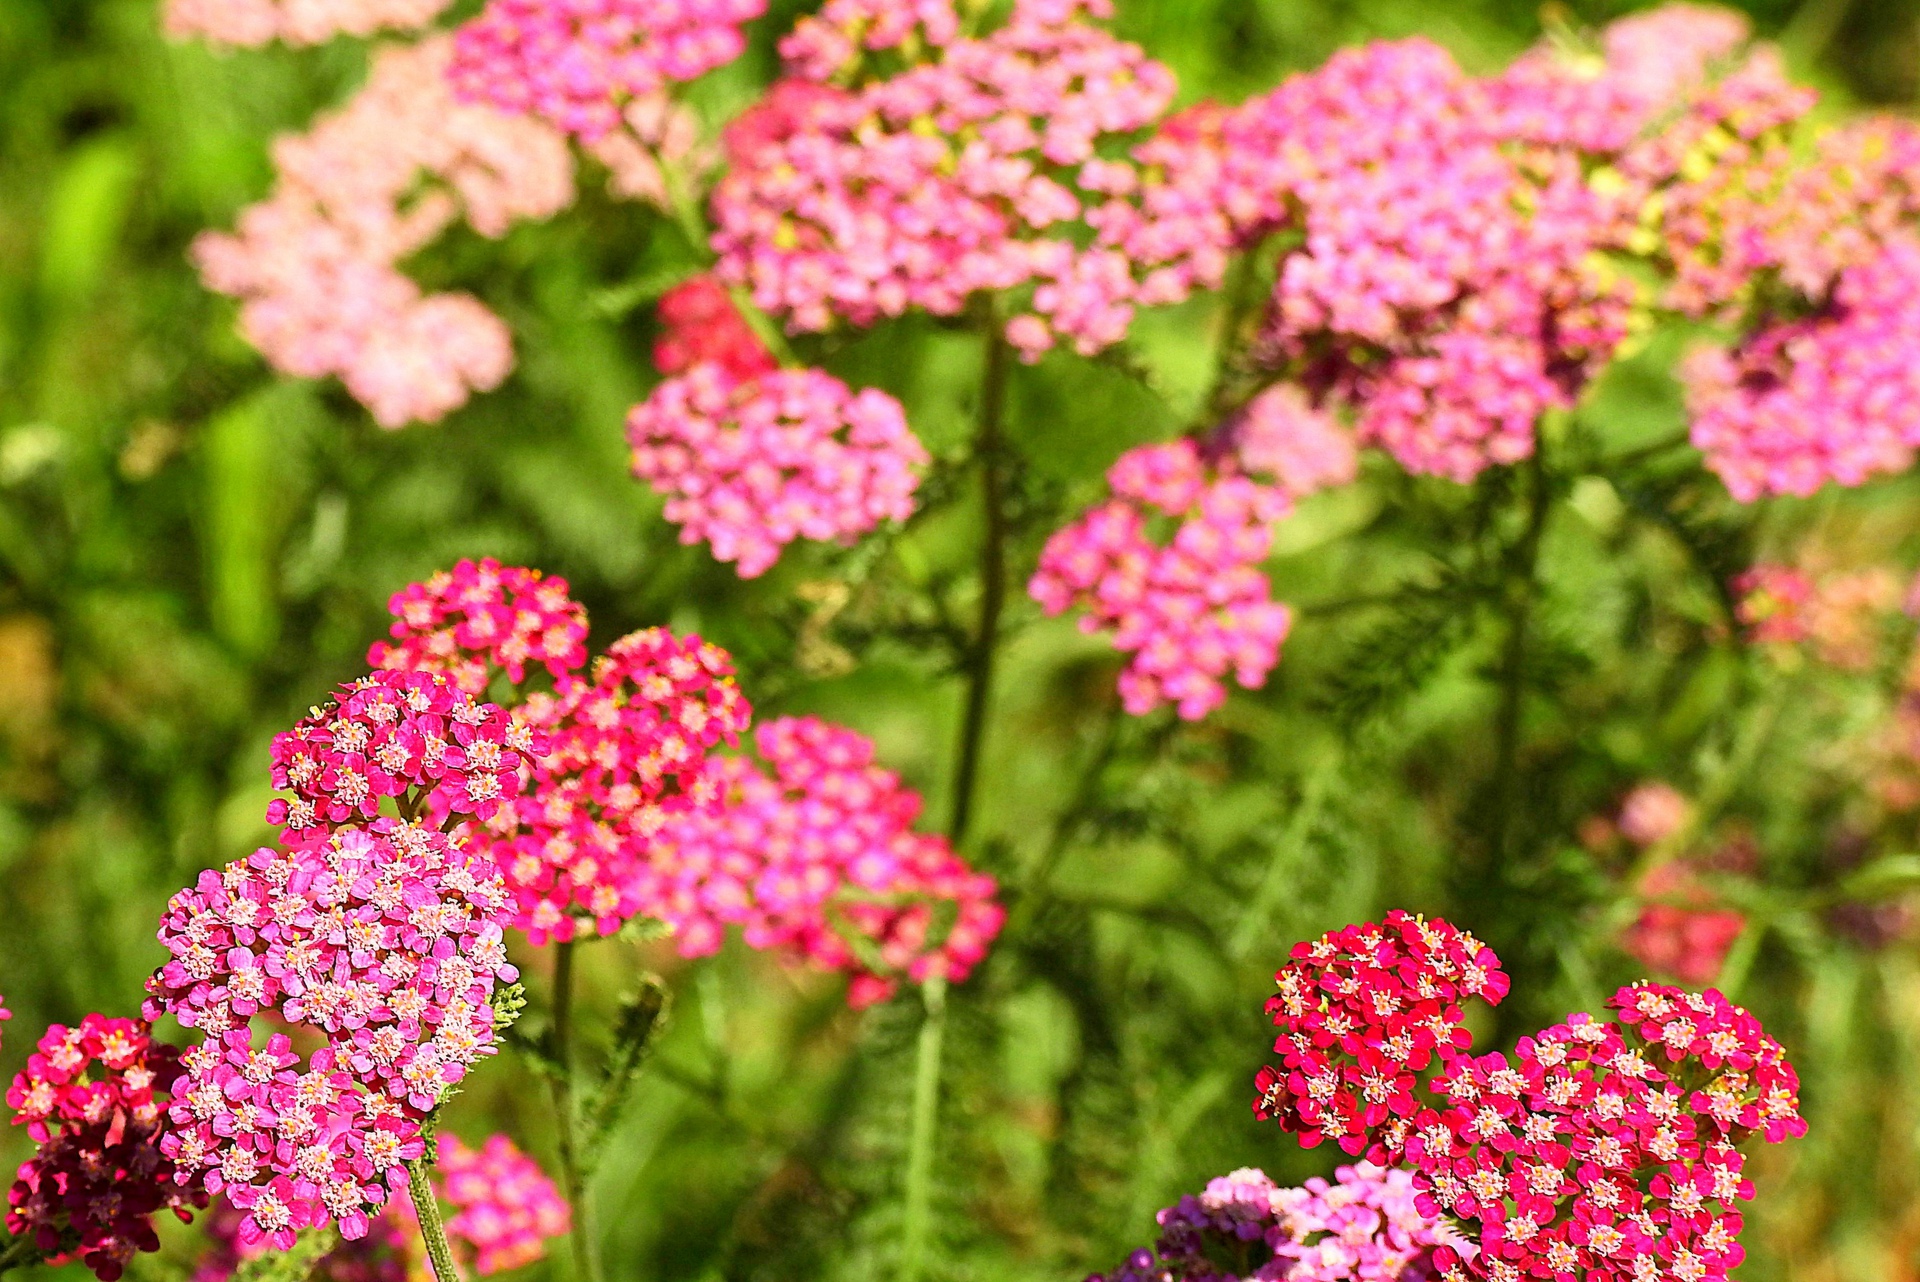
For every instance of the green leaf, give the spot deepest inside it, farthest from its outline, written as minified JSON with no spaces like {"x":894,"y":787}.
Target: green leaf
{"x":641,"y":1019}
{"x":245,"y":511}
{"x":86,"y":214}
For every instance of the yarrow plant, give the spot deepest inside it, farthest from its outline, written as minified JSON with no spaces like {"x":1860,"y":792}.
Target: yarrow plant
{"x":1599,"y":1149}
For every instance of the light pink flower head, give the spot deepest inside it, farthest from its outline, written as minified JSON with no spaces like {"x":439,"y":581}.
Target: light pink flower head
{"x":296,"y":22}
{"x":505,"y":1208}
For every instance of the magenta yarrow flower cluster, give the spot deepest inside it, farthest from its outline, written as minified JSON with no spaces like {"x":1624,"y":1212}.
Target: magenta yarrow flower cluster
{"x":834,"y":44}
{"x":505,"y":1208}
{"x":250,"y":23}
{"x":1600,"y":1150}
{"x":700,"y":325}
{"x":1189,"y":609}
{"x":1364,"y":1226}
{"x":482,"y":618}
{"x":410,"y":736}
{"x":749,"y":466}
{"x":384,"y":938}
{"x":316,"y":265}
{"x":575,"y":63}
{"x":819,"y":860}
{"x":967,"y":172}
{"x":94,"y":1100}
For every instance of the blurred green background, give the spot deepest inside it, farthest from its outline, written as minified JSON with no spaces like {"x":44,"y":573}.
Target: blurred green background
{"x":192,"y":551}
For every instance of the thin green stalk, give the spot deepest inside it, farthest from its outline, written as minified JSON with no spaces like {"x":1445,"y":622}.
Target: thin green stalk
{"x":926,"y":1117}
{"x":586,"y":1261}
{"x":426,"y":1208}
{"x":990,"y":449}
{"x":1513,"y":664}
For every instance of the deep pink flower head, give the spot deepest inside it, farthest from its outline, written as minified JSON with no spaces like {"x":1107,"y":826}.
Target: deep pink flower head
{"x":412,"y":736}
{"x":316,"y":265}
{"x":250,"y":23}
{"x":818,"y":857}
{"x":577,"y":62}
{"x":94,"y":1098}
{"x":701,"y":325}
{"x":1363,"y":1226}
{"x":1189,"y":610}
{"x":749,"y":465}
{"x":988,"y":168}
{"x":1830,"y":397}
{"x":1582,"y":1155}
{"x":626,"y":752}
{"x":480,"y":618}
{"x":1302,"y":448}
{"x":387,"y":940}
{"x":505,"y":1208}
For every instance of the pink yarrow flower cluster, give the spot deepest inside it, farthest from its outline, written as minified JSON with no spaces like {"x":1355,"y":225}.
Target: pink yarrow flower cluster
{"x":386,"y":940}
{"x":834,"y":44}
{"x":1189,"y":609}
{"x":505,"y":1208}
{"x":94,"y":1099}
{"x":749,"y":465}
{"x":700,"y":325}
{"x":411,"y":736}
{"x":578,"y":62}
{"x":316,"y":266}
{"x":250,"y":23}
{"x":968,"y":172}
{"x":1363,"y":1226}
{"x":482,"y":618}
{"x":819,"y":860}
{"x":621,"y":748}
{"x":1599,"y":1150}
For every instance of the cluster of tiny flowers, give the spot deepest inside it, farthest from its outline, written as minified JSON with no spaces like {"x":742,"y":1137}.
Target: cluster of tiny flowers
{"x":1550,"y":1152}
{"x":1361,"y":1012}
{"x":968,"y":172}
{"x":388,"y":1253}
{"x":578,"y":62}
{"x":627,"y":751}
{"x":1679,"y":932}
{"x":822,"y":852}
{"x":1364,"y":1226}
{"x":833,"y":44}
{"x":249,"y":23}
{"x":700,"y":325}
{"x":505,"y":1208}
{"x":94,"y":1099}
{"x":410,"y":735}
{"x":1840,"y":616}
{"x":316,"y":266}
{"x":1600,"y":1150}
{"x":385,"y":939}
{"x":1303,"y":449}
{"x":749,"y":465}
{"x":1830,"y":397}
{"x":1189,"y":610}
{"x":480,"y":618}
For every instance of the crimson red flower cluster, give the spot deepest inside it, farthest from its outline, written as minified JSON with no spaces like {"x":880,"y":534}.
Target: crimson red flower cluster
{"x":95,"y":1099}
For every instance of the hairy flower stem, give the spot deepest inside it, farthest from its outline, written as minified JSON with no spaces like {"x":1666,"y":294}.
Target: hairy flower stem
{"x":989,"y":449}
{"x":433,"y":1232}
{"x":586,"y":1261}
{"x":926,"y":1117}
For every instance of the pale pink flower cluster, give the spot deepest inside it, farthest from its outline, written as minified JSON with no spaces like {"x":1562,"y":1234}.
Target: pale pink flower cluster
{"x":971,"y":172}
{"x":505,"y":1207}
{"x":1282,"y":435}
{"x":385,"y":939}
{"x":250,"y":23}
{"x":819,"y":860}
{"x":577,"y":63}
{"x":749,"y":465}
{"x":1830,"y":397}
{"x":316,"y":266}
{"x":832,"y":44}
{"x":1190,"y":609}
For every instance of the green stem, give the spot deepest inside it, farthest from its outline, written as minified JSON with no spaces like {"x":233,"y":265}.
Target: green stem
{"x":426,"y":1209}
{"x":1513,"y":661}
{"x":585,"y":1259}
{"x":926,"y":1117}
{"x":989,"y":449}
